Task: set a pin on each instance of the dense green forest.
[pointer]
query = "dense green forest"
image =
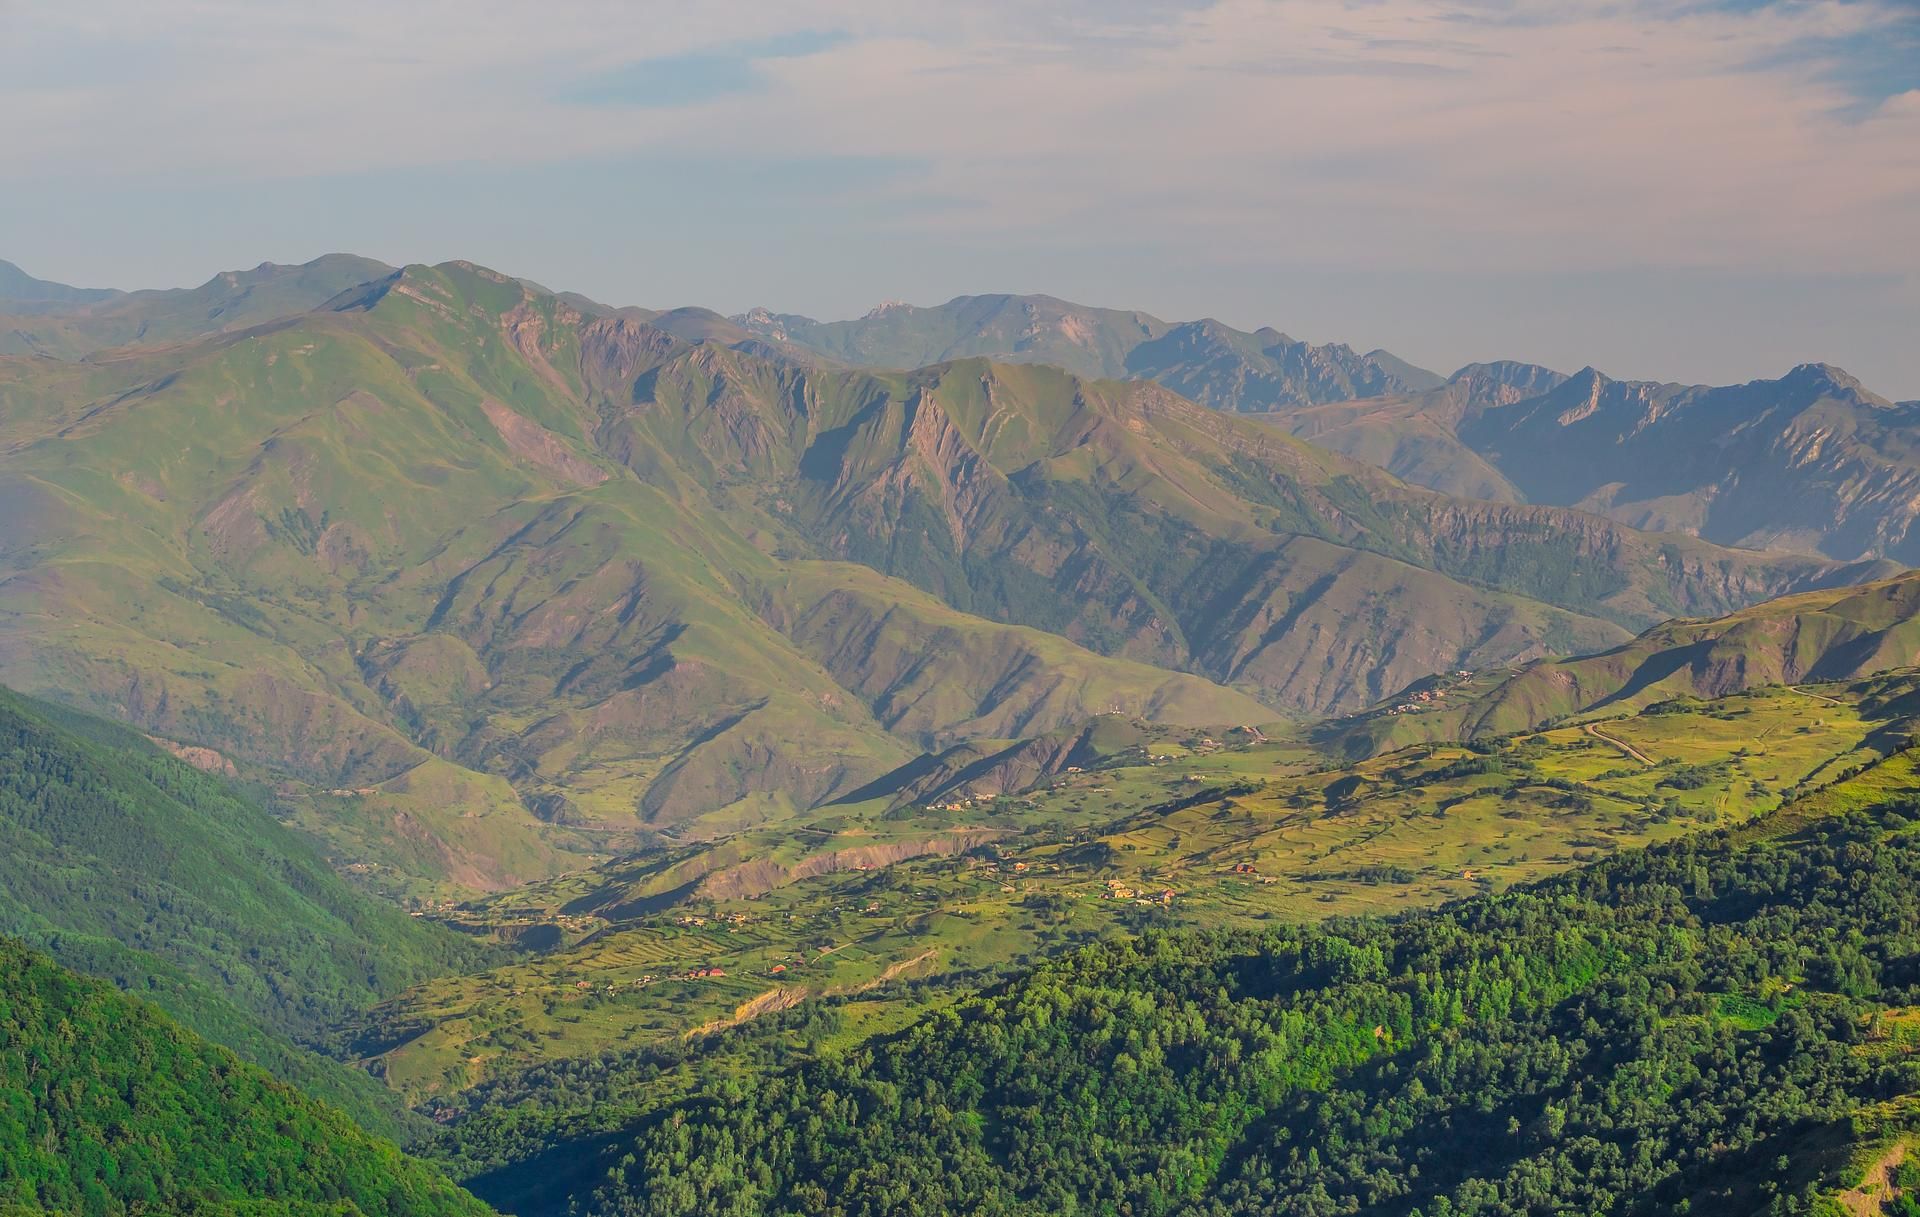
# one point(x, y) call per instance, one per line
point(108, 1107)
point(1721, 1025)
point(130, 865)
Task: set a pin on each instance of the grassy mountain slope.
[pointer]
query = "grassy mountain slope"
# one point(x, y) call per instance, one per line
point(988, 768)
point(1818, 636)
point(1143, 525)
point(933, 675)
point(1721, 1023)
point(107, 1106)
point(1204, 360)
point(70, 323)
point(400, 562)
point(133, 866)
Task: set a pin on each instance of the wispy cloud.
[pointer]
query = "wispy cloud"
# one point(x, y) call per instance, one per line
point(1518, 134)
point(694, 77)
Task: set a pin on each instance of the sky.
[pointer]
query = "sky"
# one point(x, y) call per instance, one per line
point(1693, 191)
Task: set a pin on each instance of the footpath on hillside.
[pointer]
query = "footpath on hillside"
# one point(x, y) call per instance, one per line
point(1622, 745)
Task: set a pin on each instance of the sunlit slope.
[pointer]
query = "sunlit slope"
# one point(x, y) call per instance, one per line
point(1817, 636)
point(1706, 1025)
point(1144, 525)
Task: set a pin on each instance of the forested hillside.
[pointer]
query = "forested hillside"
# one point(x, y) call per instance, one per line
point(1723, 1024)
point(107, 1107)
point(131, 865)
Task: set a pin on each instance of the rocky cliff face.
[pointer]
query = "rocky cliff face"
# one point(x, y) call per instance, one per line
point(1811, 462)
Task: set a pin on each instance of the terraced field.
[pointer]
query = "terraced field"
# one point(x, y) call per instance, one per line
point(898, 910)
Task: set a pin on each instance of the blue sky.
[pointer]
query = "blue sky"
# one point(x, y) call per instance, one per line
point(1681, 190)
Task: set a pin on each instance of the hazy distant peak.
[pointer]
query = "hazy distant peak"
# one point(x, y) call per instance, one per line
point(19, 287)
point(341, 266)
point(1506, 371)
point(1824, 376)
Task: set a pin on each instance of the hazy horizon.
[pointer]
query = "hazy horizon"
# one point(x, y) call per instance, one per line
point(1703, 192)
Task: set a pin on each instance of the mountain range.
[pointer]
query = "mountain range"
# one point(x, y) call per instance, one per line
point(38, 317)
point(1812, 461)
point(498, 576)
point(1206, 361)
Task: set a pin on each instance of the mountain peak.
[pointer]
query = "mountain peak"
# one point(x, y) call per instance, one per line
point(1824, 375)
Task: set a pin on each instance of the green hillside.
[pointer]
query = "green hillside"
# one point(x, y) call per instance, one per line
point(1721, 1024)
point(128, 864)
point(1830, 635)
point(108, 1107)
point(495, 582)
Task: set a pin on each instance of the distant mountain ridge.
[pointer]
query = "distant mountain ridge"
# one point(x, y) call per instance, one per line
point(1811, 461)
point(42, 318)
point(1205, 360)
point(21, 292)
